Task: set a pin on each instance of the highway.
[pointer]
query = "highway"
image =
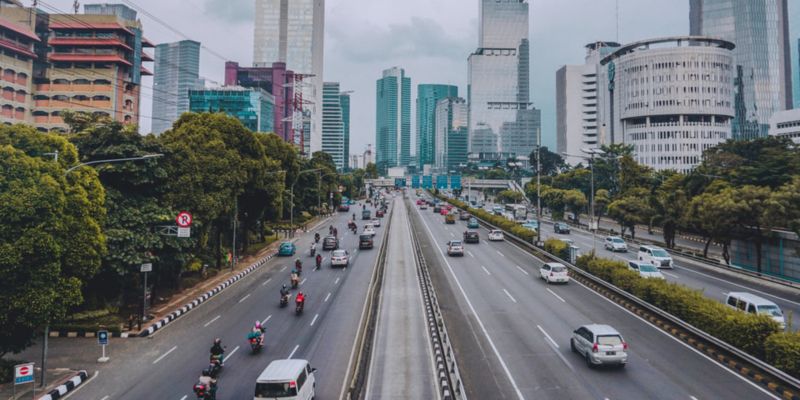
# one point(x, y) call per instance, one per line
point(511, 331)
point(167, 365)
point(402, 359)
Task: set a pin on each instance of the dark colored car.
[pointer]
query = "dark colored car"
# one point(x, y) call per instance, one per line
point(437, 209)
point(330, 243)
point(380, 213)
point(471, 237)
point(344, 208)
point(366, 214)
point(463, 216)
point(365, 242)
point(561, 227)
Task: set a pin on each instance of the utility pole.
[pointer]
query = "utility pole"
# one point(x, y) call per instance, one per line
point(235, 220)
point(538, 191)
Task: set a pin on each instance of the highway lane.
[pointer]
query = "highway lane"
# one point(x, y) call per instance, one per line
point(169, 363)
point(715, 285)
point(402, 359)
point(528, 325)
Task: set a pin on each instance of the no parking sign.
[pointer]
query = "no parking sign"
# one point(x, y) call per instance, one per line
point(23, 373)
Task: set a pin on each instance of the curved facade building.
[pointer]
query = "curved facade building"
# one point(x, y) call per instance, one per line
point(671, 98)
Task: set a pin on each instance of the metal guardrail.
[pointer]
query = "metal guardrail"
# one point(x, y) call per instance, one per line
point(759, 371)
point(449, 378)
point(366, 330)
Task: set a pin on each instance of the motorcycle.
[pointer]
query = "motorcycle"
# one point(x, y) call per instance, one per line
point(316, 238)
point(204, 392)
point(299, 308)
point(256, 343)
point(313, 251)
point(295, 282)
point(299, 267)
point(285, 300)
point(215, 366)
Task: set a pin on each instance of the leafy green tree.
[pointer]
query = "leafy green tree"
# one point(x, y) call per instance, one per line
point(601, 201)
point(290, 162)
point(576, 202)
point(371, 171)
point(607, 167)
point(713, 214)
point(551, 163)
point(577, 178)
point(769, 161)
point(669, 205)
point(630, 210)
point(553, 199)
point(496, 173)
point(42, 214)
point(510, 197)
point(758, 215)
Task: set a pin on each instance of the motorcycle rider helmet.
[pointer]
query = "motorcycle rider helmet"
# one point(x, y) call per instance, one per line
point(217, 341)
point(258, 325)
point(284, 286)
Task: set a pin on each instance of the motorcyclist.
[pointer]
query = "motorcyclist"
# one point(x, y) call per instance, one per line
point(316, 237)
point(257, 332)
point(313, 249)
point(298, 266)
point(319, 260)
point(218, 351)
point(301, 301)
point(330, 229)
point(335, 232)
point(354, 216)
point(295, 278)
point(209, 384)
point(284, 290)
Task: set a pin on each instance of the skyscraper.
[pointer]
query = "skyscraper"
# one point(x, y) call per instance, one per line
point(177, 70)
point(427, 97)
point(344, 100)
point(253, 107)
point(501, 116)
point(393, 119)
point(277, 81)
point(451, 134)
point(762, 72)
point(332, 123)
point(292, 31)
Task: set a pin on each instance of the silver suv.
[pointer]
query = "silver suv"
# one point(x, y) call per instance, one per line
point(599, 345)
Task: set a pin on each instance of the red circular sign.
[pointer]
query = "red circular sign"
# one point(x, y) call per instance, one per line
point(24, 371)
point(184, 219)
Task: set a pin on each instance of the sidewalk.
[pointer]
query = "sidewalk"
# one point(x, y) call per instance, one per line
point(55, 377)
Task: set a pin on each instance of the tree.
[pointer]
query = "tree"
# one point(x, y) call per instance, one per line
point(630, 211)
point(43, 213)
point(510, 197)
point(551, 163)
point(769, 161)
point(554, 200)
point(713, 214)
point(759, 213)
point(278, 149)
point(577, 178)
point(576, 202)
point(607, 167)
point(371, 171)
point(601, 201)
point(669, 204)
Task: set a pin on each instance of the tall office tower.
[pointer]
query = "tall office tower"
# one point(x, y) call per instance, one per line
point(177, 71)
point(762, 72)
point(344, 100)
point(427, 97)
point(577, 103)
point(393, 119)
point(17, 24)
point(332, 123)
point(501, 116)
point(275, 80)
point(451, 134)
point(253, 107)
point(292, 31)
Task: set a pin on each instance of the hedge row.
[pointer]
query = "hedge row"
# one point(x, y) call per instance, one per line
point(757, 335)
point(557, 247)
point(496, 220)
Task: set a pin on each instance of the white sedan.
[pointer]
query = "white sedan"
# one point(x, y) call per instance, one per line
point(376, 223)
point(340, 258)
point(369, 230)
point(496, 235)
point(554, 272)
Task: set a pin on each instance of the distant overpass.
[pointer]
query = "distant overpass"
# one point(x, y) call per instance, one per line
point(466, 182)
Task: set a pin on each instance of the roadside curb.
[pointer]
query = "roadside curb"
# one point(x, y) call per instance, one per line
point(66, 387)
point(203, 298)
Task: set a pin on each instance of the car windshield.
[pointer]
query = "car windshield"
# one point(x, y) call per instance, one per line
point(647, 268)
point(770, 310)
point(609, 340)
point(660, 253)
point(496, 232)
point(286, 245)
point(272, 390)
point(617, 240)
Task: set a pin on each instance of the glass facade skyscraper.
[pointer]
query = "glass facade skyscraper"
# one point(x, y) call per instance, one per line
point(501, 116)
point(254, 108)
point(451, 134)
point(760, 31)
point(344, 101)
point(333, 124)
point(393, 119)
point(292, 31)
point(427, 97)
point(177, 71)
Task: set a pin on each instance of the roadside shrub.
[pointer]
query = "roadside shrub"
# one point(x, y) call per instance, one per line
point(783, 351)
point(557, 247)
point(523, 233)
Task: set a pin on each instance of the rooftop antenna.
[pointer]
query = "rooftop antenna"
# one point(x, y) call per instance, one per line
point(617, 17)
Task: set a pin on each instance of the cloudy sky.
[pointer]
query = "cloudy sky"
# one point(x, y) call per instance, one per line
point(431, 39)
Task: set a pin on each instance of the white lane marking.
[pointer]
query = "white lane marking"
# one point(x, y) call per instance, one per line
point(228, 357)
point(452, 234)
point(283, 269)
point(245, 298)
point(266, 282)
point(327, 297)
point(212, 321)
point(184, 397)
point(336, 281)
point(303, 281)
point(670, 275)
point(501, 254)
point(548, 336)
point(292, 353)
point(557, 296)
point(106, 397)
point(165, 354)
point(477, 318)
point(470, 254)
point(522, 270)
point(486, 270)
point(510, 296)
point(266, 319)
point(693, 398)
point(314, 320)
point(741, 286)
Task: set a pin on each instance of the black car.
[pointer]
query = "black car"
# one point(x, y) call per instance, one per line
point(561, 227)
point(330, 243)
point(437, 209)
point(344, 208)
point(471, 237)
point(365, 242)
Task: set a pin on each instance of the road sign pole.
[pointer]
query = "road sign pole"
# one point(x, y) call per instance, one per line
point(102, 339)
point(144, 298)
point(44, 355)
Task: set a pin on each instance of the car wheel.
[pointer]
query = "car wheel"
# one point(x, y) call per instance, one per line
point(572, 345)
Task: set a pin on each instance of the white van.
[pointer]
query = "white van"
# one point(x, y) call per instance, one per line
point(286, 379)
point(655, 256)
point(753, 304)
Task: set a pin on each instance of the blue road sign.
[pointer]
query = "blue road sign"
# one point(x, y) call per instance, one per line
point(102, 337)
point(415, 181)
point(400, 182)
point(427, 182)
point(441, 181)
point(455, 181)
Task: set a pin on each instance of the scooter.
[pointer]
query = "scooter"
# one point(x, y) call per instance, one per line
point(285, 300)
point(299, 308)
point(256, 344)
point(295, 282)
point(215, 366)
point(204, 392)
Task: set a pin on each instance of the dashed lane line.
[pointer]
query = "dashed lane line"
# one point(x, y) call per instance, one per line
point(245, 297)
point(548, 336)
point(165, 354)
point(314, 320)
point(510, 296)
point(293, 351)
point(522, 270)
point(266, 319)
point(486, 270)
point(327, 297)
point(266, 282)
point(557, 296)
point(212, 321)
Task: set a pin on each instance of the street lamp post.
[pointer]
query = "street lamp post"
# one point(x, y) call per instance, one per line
point(538, 191)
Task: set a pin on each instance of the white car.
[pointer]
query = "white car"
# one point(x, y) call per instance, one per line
point(554, 272)
point(615, 243)
point(369, 230)
point(496, 235)
point(340, 258)
point(645, 270)
point(655, 256)
point(376, 223)
point(455, 248)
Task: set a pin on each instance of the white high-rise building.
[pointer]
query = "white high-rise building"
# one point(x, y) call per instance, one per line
point(293, 31)
point(576, 103)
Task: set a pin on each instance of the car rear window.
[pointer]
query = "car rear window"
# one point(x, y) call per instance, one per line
point(660, 253)
point(365, 237)
point(609, 340)
point(455, 243)
point(559, 268)
point(647, 268)
point(273, 390)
